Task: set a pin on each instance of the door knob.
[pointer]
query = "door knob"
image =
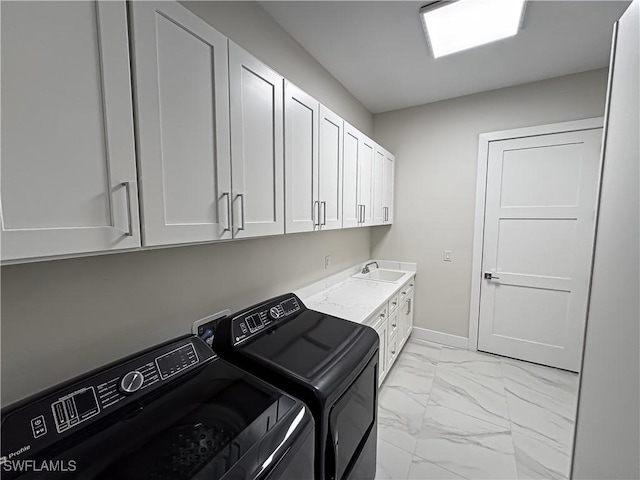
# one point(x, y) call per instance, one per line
point(490, 276)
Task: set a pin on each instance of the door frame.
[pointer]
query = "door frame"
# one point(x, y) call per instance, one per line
point(481, 190)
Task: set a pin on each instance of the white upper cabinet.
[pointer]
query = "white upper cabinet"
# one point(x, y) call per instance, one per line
point(388, 178)
point(182, 98)
point(383, 177)
point(257, 160)
point(68, 156)
point(302, 207)
point(330, 175)
point(378, 194)
point(365, 180)
point(350, 207)
point(357, 178)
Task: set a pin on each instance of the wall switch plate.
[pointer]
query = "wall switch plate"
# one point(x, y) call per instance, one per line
point(327, 261)
point(447, 256)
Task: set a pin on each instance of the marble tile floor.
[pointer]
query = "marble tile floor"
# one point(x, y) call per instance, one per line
point(447, 413)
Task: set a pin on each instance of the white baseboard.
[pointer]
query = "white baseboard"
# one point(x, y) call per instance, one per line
point(440, 337)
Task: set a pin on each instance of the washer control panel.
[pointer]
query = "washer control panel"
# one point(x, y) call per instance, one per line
point(37, 422)
point(253, 321)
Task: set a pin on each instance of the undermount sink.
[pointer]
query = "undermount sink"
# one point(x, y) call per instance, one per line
point(383, 275)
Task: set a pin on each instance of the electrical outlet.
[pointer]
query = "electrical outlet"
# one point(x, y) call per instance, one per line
point(447, 256)
point(327, 261)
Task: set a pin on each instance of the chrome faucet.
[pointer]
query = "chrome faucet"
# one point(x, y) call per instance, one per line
point(366, 270)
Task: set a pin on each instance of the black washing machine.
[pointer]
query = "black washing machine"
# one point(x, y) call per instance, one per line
point(174, 412)
point(328, 362)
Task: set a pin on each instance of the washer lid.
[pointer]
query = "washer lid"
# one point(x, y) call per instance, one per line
point(213, 421)
point(307, 345)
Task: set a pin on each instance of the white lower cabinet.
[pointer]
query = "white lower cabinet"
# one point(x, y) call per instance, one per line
point(381, 328)
point(406, 318)
point(394, 322)
point(68, 156)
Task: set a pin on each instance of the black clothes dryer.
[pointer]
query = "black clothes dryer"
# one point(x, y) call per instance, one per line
point(173, 412)
point(328, 362)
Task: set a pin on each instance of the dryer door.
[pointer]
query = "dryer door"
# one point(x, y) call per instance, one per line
point(352, 420)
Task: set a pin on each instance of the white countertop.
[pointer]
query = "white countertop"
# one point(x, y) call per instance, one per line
point(351, 298)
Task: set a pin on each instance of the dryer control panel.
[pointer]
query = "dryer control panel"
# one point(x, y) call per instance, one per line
point(255, 320)
point(38, 422)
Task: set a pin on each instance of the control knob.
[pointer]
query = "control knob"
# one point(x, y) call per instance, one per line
point(275, 313)
point(131, 382)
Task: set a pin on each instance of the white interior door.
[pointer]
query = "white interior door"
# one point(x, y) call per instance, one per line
point(257, 144)
point(330, 188)
point(182, 95)
point(538, 241)
point(301, 160)
point(68, 157)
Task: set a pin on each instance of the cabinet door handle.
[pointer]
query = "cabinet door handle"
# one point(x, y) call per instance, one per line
point(360, 215)
point(228, 197)
point(408, 306)
point(241, 197)
point(316, 213)
point(364, 213)
point(127, 191)
point(382, 315)
point(394, 303)
point(324, 212)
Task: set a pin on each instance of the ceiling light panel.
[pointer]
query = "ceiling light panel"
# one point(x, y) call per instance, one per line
point(453, 26)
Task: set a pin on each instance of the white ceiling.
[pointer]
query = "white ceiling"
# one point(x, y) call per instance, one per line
point(378, 51)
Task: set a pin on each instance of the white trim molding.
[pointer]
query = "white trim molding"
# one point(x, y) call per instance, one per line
point(439, 337)
point(481, 184)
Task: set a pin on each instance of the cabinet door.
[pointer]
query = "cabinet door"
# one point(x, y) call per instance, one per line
point(382, 353)
point(257, 144)
point(388, 173)
point(393, 347)
point(394, 323)
point(350, 206)
point(406, 315)
point(182, 98)
point(301, 160)
point(330, 187)
point(365, 180)
point(68, 157)
point(378, 184)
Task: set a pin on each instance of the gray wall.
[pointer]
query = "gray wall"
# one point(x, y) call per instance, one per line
point(607, 443)
point(62, 318)
point(436, 148)
point(247, 24)
point(84, 312)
